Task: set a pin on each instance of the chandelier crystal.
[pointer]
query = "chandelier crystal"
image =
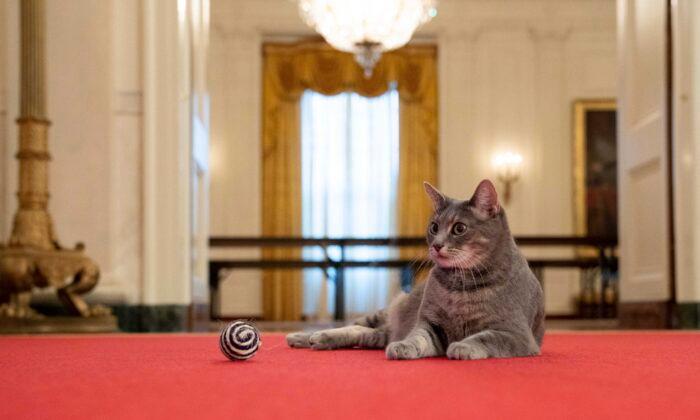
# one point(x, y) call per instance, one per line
point(367, 28)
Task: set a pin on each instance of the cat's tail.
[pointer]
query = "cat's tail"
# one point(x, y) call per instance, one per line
point(375, 320)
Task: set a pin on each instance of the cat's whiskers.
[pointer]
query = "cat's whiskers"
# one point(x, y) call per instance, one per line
point(472, 262)
point(480, 272)
point(464, 261)
point(462, 275)
point(424, 261)
point(455, 254)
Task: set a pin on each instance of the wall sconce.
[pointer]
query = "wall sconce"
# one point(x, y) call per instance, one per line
point(507, 166)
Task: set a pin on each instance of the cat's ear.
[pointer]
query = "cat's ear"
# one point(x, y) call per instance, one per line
point(485, 199)
point(435, 196)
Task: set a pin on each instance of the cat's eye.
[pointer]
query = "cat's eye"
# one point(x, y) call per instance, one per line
point(459, 229)
point(434, 228)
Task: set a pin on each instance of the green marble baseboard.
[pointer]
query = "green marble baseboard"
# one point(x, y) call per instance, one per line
point(152, 318)
point(135, 318)
point(689, 315)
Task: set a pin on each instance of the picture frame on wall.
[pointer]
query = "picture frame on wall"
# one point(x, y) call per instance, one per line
point(595, 195)
point(595, 167)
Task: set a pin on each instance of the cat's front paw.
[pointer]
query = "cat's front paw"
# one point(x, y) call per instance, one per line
point(323, 341)
point(298, 340)
point(466, 351)
point(401, 350)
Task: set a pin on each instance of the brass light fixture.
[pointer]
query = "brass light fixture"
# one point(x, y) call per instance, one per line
point(367, 28)
point(33, 258)
point(508, 166)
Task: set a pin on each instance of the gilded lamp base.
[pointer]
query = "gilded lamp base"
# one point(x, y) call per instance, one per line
point(33, 258)
point(70, 272)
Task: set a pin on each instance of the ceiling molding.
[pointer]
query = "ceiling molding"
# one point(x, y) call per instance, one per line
point(280, 17)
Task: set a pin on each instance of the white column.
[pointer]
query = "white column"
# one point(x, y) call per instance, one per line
point(686, 102)
point(124, 278)
point(166, 155)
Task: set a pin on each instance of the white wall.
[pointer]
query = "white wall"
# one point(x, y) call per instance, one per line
point(508, 73)
point(686, 102)
point(4, 31)
point(118, 93)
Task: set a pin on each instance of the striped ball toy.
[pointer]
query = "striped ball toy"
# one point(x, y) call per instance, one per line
point(239, 341)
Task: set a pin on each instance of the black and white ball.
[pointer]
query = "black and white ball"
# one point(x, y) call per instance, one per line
point(239, 340)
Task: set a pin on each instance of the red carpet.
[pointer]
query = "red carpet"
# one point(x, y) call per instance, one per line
point(621, 375)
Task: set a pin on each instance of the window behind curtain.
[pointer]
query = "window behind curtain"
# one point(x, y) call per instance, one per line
point(350, 157)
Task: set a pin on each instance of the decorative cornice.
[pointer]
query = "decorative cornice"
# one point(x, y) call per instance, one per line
point(275, 17)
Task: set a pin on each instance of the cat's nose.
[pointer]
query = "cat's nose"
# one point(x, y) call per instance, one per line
point(437, 247)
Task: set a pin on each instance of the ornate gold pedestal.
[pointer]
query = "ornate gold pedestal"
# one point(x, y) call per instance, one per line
point(33, 257)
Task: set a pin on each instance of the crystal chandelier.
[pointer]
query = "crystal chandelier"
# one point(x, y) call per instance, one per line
point(367, 28)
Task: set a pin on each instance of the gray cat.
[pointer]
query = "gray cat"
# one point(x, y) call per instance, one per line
point(480, 300)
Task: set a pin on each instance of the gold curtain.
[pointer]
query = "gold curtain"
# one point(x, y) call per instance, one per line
point(289, 70)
